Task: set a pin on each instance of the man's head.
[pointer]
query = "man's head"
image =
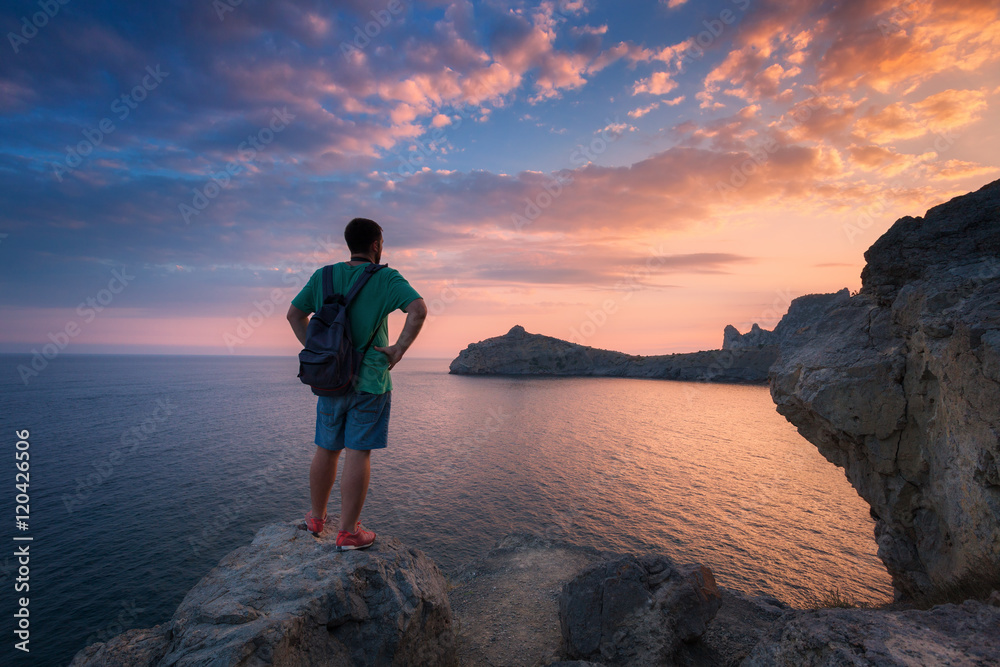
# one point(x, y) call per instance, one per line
point(364, 237)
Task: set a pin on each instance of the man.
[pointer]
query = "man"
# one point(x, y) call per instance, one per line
point(358, 422)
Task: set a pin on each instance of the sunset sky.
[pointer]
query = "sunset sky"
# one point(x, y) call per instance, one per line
point(633, 175)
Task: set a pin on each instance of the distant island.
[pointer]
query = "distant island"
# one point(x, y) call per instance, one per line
point(743, 359)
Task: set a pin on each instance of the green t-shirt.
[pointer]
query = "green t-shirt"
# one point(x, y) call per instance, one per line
point(385, 292)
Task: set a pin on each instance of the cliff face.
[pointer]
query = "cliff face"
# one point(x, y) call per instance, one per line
point(900, 386)
point(290, 599)
point(521, 353)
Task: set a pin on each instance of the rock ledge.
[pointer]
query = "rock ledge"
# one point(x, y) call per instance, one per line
point(290, 599)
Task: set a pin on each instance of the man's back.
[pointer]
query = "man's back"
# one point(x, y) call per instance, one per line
point(385, 292)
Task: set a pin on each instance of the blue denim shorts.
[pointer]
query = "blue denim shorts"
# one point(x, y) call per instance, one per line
point(355, 421)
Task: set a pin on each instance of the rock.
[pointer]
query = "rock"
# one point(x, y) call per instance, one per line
point(145, 646)
point(741, 622)
point(521, 353)
point(732, 339)
point(967, 634)
point(636, 610)
point(798, 323)
point(507, 601)
point(507, 606)
point(289, 598)
point(900, 386)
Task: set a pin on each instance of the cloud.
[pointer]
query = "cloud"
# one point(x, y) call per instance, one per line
point(440, 120)
point(615, 130)
point(627, 50)
point(876, 44)
point(888, 46)
point(820, 118)
point(957, 169)
point(885, 161)
point(642, 111)
point(942, 112)
point(659, 83)
point(951, 109)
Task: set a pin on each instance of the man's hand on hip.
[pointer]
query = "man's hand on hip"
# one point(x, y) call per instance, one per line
point(416, 312)
point(393, 352)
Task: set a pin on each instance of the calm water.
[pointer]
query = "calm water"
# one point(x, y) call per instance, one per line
point(125, 522)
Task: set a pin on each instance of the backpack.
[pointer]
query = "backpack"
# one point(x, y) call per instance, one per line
point(329, 363)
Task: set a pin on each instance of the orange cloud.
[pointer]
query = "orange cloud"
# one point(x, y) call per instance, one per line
point(888, 46)
point(942, 112)
point(956, 169)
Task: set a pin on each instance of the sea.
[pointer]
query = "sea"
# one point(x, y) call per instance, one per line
point(144, 471)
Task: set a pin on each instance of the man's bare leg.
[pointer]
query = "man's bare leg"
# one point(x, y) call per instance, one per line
point(354, 487)
point(322, 472)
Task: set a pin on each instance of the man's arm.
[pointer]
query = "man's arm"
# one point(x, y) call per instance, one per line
point(416, 312)
point(299, 321)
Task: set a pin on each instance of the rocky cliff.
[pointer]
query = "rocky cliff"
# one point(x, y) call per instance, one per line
point(521, 353)
point(900, 386)
point(800, 320)
point(290, 598)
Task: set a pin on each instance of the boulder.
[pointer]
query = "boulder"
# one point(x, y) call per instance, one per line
point(900, 386)
point(290, 598)
point(957, 635)
point(636, 610)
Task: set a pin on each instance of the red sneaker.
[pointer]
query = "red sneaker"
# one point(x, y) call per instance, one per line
point(361, 539)
point(314, 525)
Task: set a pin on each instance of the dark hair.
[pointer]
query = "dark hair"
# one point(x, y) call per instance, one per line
point(361, 233)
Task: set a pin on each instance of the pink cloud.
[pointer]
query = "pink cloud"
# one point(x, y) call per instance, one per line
point(658, 83)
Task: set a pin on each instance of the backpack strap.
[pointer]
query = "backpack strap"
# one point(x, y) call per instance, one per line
point(327, 282)
point(361, 281)
point(355, 288)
